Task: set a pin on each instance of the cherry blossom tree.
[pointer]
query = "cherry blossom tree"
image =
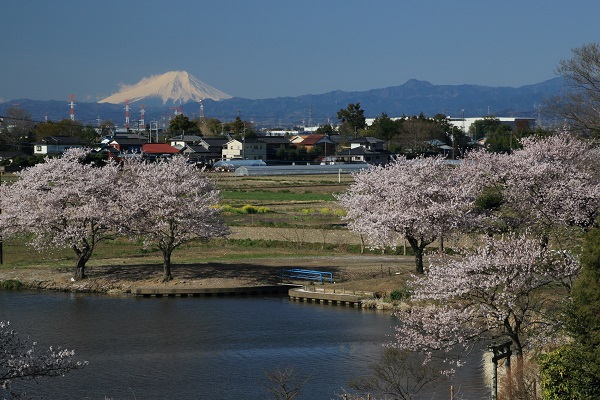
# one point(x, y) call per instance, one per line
point(20, 360)
point(490, 294)
point(524, 203)
point(61, 203)
point(418, 199)
point(552, 182)
point(561, 185)
point(169, 203)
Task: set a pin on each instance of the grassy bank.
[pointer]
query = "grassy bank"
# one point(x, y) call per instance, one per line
point(298, 225)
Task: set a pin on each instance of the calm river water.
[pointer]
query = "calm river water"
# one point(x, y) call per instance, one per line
point(204, 348)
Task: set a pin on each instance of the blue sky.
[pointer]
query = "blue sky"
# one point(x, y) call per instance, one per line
point(272, 48)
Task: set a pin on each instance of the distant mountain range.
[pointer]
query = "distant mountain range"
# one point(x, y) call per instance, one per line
point(162, 93)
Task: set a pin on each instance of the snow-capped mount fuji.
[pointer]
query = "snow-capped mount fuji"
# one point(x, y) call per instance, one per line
point(174, 87)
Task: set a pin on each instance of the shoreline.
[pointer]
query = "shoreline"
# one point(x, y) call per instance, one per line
point(216, 280)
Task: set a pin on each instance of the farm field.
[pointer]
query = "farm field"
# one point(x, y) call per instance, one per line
point(288, 221)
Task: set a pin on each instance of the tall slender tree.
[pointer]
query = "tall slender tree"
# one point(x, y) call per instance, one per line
point(352, 119)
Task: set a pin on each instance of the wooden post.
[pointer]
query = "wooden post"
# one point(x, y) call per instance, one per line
point(500, 352)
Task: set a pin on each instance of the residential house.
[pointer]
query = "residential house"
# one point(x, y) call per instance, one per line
point(7, 157)
point(365, 150)
point(247, 149)
point(274, 144)
point(155, 151)
point(13, 160)
point(182, 140)
point(127, 146)
point(214, 144)
point(322, 143)
point(54, 145)
point(368, 142)
point(206, 151)
point(297, 139)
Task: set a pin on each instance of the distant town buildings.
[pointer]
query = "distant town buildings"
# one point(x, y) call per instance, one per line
point(515, 124)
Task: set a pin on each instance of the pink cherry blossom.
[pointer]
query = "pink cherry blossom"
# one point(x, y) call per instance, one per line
point(20, 360)
point(491, 293)
point(62, 203)
point(167, 204)
point(419, 200)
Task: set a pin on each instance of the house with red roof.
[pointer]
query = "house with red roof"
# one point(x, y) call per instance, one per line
point(155, 151)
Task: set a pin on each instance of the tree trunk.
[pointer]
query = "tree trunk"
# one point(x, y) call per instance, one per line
point(79, 272)
point(419, 261)
point(418, 249)
point(167, 266)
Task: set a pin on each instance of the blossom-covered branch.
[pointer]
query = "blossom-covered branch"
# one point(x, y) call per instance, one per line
point(22, 360)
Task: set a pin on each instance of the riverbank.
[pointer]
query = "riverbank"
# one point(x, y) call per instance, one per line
point(374, 273)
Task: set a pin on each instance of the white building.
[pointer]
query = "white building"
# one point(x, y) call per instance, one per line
point(465, 123)
point(515, 124)
point(249, 149)
point(53, 145)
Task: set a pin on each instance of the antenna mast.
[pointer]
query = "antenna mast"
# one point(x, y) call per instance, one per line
point(142, 118)
point(127, 114)
point(72, 104)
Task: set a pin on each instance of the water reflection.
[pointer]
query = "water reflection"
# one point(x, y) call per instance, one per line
point(192, 348)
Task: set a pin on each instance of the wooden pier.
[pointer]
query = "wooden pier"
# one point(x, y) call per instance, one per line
point(301, 294)
point(206, 292)
point(295, 293)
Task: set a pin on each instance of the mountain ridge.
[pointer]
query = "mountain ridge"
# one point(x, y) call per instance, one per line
point(411, 98)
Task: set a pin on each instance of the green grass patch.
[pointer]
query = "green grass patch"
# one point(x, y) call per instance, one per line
point(274, 196)
point(11, 284)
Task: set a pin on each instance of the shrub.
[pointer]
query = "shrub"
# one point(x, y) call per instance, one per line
point(246, 209)
point(340, 213)
point(249, 209)
point(397, 295)
point(11, 284)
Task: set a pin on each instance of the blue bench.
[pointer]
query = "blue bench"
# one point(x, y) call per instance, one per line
point(296, 273)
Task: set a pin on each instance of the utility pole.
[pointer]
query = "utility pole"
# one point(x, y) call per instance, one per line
point(1, 250)
point(244, 142)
